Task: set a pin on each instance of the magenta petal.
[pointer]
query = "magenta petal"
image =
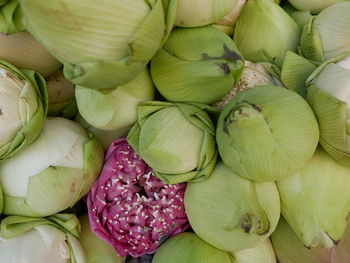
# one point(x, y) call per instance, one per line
point(132, 209)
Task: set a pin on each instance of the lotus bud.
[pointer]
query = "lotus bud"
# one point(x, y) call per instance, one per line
point(23, 100)
point(262, 253)
point(176, 140)
point(125, 37)
point(267, 133)
point(327, 35)
point(261, 38)
point(116, 108)
point(61, 96)
point(54, 172)
point(196, 13)
point(197, 65)
point(41, 240)
point(23, 51)
point(105, 137)
point(255, 74)
point(328, 95)
point(232, 213)
point(130, 208)
point(11, 17)
point(289, 249)
point(315, 201)
point(97, 250)
point(295, 71)
point(189, 248)
point(314, 6)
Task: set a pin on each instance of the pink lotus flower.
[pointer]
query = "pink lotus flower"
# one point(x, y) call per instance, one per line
point(132, 209)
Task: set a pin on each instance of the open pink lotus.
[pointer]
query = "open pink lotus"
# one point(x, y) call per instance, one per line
point(132, 209)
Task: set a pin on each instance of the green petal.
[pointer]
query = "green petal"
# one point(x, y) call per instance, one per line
point(189, 248)
point(232, 213)
point(295, 71)
point(315, 202)
point(311, 43)
point(11, 17)
point(54, 189)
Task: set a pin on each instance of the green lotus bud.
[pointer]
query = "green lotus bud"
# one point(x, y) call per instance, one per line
point(97, 250)
point(116, 108)
point(230, 212)
point(197, 65)
point(23, 51)
point(189, 248)
point(316, 201)
point(327, 35)
point(289, 249)
point(104, 45)
point(61, 96)
point(267, 133)
point(264, 32)
point(262, 253)
point(314, 6)
point(255, 74)
point(176, 140)
point(105, 137)
point(54, 172)
point(295, 71)
point(328, 89)
point(23, 100)
point(11, 17)
point(41, 240)
point(196, 13)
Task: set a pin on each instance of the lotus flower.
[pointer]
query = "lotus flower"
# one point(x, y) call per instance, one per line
point(132, 209)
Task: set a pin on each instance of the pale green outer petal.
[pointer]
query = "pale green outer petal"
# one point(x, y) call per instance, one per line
point(189, 248)
point(97, 250)
point(115, 109)
point(333, 24)
point(267, 133)
point(230, 212)
point(316, 201)
point(331, 110)
point(102, 45)
point(78, 254)
point(11, 18)
point(327, 34)
point(164, 144)
point(264, 32)
point(195, 13)
point(262, 253)
point(314, 5)
point(295, 71)
point(159, 139)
